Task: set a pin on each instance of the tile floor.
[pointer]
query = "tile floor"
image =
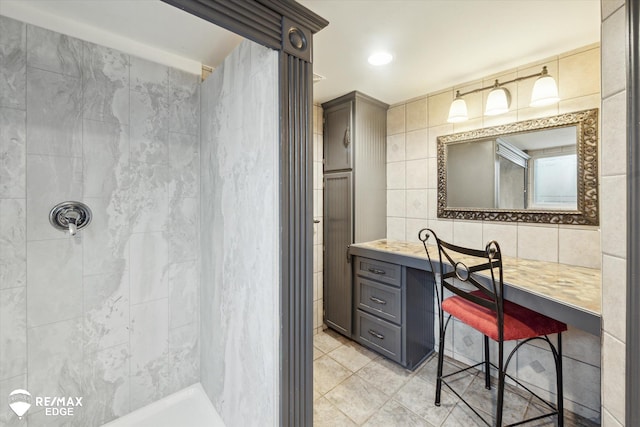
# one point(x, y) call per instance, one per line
point(353, 386)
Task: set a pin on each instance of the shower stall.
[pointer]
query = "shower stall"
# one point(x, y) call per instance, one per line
point(176, 279)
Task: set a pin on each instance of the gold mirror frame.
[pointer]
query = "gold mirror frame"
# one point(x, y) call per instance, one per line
point(587, 152)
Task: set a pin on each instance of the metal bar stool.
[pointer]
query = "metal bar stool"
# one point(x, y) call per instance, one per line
point(478, 302)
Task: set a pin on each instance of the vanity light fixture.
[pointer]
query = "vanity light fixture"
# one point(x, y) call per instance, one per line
point(545, 92)
point(380, 58)
point(498, 100)
point(458, 110)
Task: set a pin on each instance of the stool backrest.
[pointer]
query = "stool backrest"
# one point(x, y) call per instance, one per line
point(465, 270)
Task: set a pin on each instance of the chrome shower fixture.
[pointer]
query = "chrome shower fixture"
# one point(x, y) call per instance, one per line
point(70, 216)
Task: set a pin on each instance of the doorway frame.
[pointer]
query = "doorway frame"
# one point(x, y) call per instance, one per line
point(287, 27)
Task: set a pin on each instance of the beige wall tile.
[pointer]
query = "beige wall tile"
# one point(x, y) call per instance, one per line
point(610, 6)
point(438, 108)
point(505, 234)
point(502, 119)
point(530, 113)
point(614, 296)
point(413, 227)
point(432, 174)
point(396, 120)
point(417, 173)
point(443, 228)
point(417, 204)
point(467, 343)
point(608, 420)
point(614, 135)
point(396, 228)
point(613, 376)
point(613, 214)
point(315, 118)
point(538, 242)
point(417, 144)
point(580, 103)
point(434, 133)
point(432, 203)
point(579, 74)
point(396, 175)
point(582, 346)
point(396, 203)
point(472, 124)
point(579, 247)
point(468, 233)
point(613, 53)
point(416, 114)
point(581, 383)
point(396, 147)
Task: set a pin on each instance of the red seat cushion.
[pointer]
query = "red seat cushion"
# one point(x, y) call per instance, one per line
point(519, 322)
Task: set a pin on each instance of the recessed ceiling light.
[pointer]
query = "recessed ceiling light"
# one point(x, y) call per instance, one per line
point(380, 58)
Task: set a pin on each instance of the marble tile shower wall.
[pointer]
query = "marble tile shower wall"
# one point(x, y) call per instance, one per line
point(614, 208)
point(317, 216)
point(413, 127)
point(240, 237)
point(111, 314)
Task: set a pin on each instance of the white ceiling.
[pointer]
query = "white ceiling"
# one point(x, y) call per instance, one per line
point(439, 43)
point(435, 43)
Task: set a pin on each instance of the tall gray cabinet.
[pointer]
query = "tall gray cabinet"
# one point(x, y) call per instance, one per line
point(355, 201)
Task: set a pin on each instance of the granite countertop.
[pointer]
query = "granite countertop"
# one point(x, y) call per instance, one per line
point(576, 286)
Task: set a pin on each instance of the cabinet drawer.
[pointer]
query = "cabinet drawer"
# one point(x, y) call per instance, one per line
point(379, 299)
point(379, 270)
point(379, 335)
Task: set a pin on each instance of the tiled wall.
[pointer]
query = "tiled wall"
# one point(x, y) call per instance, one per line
point(240, 310)
point(317, 216)
point(614, 211)
point(111, 314)
point(413, 127)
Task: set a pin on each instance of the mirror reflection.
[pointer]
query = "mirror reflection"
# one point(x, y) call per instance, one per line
point(522, 171)
point(529, 170)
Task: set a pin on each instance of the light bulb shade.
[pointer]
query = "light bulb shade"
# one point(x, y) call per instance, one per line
point(458, 111)
point(545, 92)
point(497, 102)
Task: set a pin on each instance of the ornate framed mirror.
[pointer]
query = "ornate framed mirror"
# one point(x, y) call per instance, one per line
point(542, 170)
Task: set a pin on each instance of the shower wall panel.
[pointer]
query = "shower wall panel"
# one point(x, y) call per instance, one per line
point(240, 237)
point(110, 314)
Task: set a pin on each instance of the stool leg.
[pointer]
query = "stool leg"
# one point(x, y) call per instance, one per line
point(501, 378)
point(440, 363)
point(487, 367)
point(559, 383)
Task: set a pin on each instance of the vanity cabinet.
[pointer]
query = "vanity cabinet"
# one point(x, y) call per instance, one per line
point(393, 310)
point(355, 199)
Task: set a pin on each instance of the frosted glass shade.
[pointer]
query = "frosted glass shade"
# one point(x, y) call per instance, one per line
point(545, 92)
point(497, 102)
point(458, 111)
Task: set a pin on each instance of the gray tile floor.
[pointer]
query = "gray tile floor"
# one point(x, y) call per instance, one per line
point(353, 386)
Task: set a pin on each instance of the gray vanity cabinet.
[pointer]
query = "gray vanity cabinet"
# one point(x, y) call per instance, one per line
point(355, 201)
point(338, 136)
point(393, 307)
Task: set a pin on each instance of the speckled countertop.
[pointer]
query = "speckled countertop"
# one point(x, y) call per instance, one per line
point(575, 286)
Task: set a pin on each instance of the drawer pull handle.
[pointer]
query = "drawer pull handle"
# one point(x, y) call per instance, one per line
point(376, 334)
point(378, 300)
point(376, 271)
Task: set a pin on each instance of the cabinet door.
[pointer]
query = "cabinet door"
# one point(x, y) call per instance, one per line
point(338, 234)
point(338, 137)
